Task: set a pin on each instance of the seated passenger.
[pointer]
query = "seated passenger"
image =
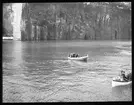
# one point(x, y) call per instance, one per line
point(71, 55)
point(129, 76)
point(122, 76)
point(77, 55)
point(74, 55)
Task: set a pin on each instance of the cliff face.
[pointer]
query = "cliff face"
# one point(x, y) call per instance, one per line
point(7, 20)
point(17, 11)
point(72, 21)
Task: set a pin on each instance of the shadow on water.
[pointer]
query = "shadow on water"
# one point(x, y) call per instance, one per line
point(78, 63)
point(122, 91)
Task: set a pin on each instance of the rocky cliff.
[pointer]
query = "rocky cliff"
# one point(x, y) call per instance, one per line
point(72, 21)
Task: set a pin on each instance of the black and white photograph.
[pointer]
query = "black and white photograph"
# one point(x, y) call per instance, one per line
point(66, 52)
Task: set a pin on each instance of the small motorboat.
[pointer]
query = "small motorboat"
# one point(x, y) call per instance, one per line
point(7, 38)
point(82, 58)
point(117, 82)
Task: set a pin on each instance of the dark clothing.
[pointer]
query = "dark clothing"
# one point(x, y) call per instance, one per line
point(129, 76)
point(75, 55)
point(71, 55)
point(122, 75)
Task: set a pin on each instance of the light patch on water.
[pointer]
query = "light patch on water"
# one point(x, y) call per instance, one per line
point(125, 52)
point(67, 83)
point(65, 78)
point(68, 72)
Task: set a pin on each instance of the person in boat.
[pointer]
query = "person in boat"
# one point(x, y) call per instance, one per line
point(77, 55)
point(129, 76)
point(70, 55)
point(123, 76)
point(73, 55)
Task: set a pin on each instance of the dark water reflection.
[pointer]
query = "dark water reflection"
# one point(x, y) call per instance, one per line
point(122, 92)
point(42, 70)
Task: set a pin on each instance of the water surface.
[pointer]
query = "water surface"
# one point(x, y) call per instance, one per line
point(41, 72)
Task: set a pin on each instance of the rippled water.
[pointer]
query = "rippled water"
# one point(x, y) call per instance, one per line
point(41, 72)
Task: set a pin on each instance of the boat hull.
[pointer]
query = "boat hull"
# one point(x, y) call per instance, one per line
point(84, 58)
point(7, 38)
point(120, 83)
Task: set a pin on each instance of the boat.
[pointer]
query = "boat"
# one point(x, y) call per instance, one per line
point(82, 58)
point(117, 82)
point(7, 38)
